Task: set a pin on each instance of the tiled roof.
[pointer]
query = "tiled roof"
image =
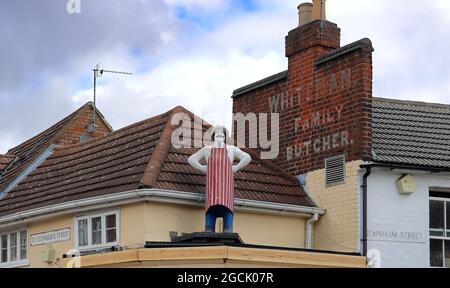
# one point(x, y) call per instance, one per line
point(138, 156)
point(4, 161)
point(411, 133)
point(259, 181)
point(25, 153)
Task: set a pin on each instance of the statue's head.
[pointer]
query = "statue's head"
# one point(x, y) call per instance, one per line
point(219, 134)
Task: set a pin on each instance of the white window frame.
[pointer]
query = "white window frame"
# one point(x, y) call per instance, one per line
point(89, 217)
point(18, 262)
point(446, 230)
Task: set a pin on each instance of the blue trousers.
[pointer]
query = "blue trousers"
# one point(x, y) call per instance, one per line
point(219, 211)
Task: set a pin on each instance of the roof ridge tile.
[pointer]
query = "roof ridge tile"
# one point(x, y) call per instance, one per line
point(160, 152)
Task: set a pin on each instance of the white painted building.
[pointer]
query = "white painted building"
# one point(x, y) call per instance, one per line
point(409, 228)
point(399, 225)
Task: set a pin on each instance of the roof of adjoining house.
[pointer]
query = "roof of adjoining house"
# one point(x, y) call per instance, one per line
point(24, 154)
point(4, 161)
point(411, 133)
point(135, 157)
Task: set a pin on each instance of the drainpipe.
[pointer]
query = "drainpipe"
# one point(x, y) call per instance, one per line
point(364, 228)
point(309, 228)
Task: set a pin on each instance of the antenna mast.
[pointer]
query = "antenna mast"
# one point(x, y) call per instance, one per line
point(98, 72)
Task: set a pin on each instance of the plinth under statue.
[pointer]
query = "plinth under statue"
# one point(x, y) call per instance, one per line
point(219, 172)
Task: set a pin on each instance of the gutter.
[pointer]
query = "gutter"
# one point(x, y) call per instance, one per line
point(156, 195)
point(407, 167)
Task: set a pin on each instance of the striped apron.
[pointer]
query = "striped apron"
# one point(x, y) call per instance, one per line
point(219, 180)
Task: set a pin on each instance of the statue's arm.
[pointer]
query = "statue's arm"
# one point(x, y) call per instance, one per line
point(195, 159)
point(244, 158)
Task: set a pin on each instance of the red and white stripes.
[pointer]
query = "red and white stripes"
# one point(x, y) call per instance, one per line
point(219, 180)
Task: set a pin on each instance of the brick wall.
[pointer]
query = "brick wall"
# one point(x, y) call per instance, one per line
point(324, 101)
point(257, 102)
point(78, 126)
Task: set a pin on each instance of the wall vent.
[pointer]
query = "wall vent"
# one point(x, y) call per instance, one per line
point(335, 171)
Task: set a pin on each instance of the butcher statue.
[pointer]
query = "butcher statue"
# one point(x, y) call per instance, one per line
point(219, 170)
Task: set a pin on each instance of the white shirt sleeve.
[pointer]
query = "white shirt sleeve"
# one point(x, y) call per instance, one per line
point(195, 159)
point(244, 158)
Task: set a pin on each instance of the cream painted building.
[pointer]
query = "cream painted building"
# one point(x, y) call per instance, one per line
point(153, 221)
point(338, 230)
point(123, 198)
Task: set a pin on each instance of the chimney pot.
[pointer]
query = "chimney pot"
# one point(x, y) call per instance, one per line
point(319, 10)
point(305, 13)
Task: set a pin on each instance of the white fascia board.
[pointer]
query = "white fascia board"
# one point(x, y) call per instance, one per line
point(154, 195)
point(406, 170)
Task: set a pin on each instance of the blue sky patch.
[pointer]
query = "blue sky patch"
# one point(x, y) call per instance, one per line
point(246, 5)
point(210, 19)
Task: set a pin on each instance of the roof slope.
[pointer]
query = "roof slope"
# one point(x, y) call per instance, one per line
point(260, 180)
point(138, 156)
point(24, 154)
point(411, 133)
point(4, 161)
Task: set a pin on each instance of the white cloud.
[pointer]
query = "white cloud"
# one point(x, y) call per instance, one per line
point(200, 69)
point(8, 140)
point(254, 33)
point(203, 85)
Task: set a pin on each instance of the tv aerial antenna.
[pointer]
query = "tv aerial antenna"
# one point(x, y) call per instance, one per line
point(98, 72)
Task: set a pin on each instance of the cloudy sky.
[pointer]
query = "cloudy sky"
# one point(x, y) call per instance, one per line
point(193, 53)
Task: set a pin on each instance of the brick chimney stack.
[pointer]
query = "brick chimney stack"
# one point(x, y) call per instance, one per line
point(324, 105)
point(323, 99)
point(309, 41)
point(313, 31)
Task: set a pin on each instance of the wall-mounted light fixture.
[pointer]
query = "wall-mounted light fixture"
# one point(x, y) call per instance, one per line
point(406, 185)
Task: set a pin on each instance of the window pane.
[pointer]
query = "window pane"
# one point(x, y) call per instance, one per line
point(13, 247)
point(436, 233)
point(83, 232)
point(96, 231)
point(23, 245)
point(4, 248)
point(447, 254)
point(448, 219)
point(437, 217)
point(436, 257)
point(110, 221)
point(96, 237)
point(111, 235)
